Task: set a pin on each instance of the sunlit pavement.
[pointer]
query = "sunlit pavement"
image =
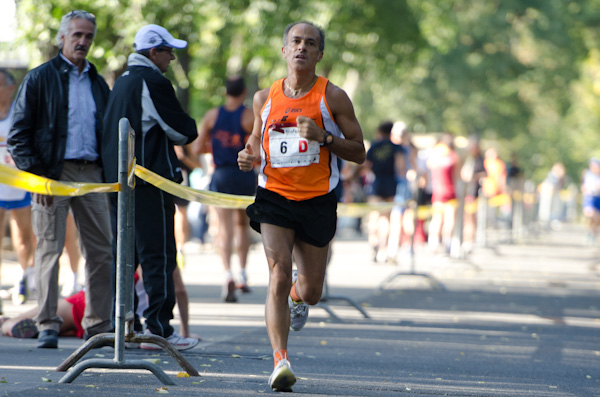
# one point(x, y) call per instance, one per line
point(510, 320)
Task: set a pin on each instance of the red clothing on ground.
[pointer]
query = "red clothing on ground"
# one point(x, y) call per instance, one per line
point(78, 308)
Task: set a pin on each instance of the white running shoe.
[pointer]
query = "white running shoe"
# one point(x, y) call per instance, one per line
point(177, 341)
point(133, 345)
point(282, 378)
point(181, 343)
point(298, 311)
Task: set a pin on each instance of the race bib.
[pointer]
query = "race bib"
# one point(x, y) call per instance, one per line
point(288, 149)
point(5, 157)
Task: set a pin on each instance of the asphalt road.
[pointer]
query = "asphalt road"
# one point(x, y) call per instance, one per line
point(511, 320)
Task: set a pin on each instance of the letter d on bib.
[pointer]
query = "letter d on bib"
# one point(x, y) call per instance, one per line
point(302, 146)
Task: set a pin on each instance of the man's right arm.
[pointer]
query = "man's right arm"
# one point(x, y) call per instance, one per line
point(20, 142)
point(248, 156)
point(161, 105)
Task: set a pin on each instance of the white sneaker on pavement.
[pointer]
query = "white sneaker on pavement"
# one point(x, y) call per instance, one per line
point(298, 310)
point(177, 341)
point(181, 343)
point(133, 345)
point(282, 378)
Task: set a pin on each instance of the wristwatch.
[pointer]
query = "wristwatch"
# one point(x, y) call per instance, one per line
point(328, 139)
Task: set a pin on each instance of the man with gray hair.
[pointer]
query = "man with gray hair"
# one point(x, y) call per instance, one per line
point(302, 124)
point(56, 134)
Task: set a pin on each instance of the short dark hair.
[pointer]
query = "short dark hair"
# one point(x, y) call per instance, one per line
point(8, 77)
point(319, 29)
point(145, 52)
point(235, 86)
point(386, 127)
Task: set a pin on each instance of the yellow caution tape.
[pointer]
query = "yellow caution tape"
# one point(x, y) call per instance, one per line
point(529, 198)
point(205, 197)
point(38, 184)
point(499, 200)
point(517, 195)
point(131, 173)
point(352, 210)
point(424, 212)
point(566, 195)
point(357, 210)
point(224, 200)
point(471, 208)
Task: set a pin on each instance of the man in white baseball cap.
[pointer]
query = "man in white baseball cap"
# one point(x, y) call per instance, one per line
point(147, 99)
point(151, 36)
point(156, 44)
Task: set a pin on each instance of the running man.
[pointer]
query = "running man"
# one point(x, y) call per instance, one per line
point(302, 123)
point(224, 132)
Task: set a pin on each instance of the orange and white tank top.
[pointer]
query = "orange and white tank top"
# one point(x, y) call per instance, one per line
point(291, 166)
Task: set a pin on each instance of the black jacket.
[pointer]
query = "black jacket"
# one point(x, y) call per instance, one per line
point(147, 99)
point(38, 138)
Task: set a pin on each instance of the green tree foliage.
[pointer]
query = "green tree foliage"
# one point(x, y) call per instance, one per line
point(523, 73)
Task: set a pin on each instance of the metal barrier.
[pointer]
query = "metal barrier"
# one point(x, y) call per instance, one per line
point(412, 272)
point(326, 297)
point(481, 221)
point(124, 311)
point(412, 204)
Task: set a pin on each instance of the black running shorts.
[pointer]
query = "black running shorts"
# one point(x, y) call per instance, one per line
point(314, 220)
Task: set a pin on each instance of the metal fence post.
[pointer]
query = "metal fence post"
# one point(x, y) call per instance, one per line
point(482, 211)
point(124, 315)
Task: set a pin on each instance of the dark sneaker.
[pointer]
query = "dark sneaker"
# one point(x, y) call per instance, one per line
point(244, 288)
point(228, 294)
point(48, 339)
point(25, 328)
point(282, 378)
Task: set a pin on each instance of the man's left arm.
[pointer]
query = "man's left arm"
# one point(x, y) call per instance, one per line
point(161, 103)
point(352, 147)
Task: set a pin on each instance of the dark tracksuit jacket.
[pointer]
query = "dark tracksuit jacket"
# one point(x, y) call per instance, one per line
point(147, 99)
